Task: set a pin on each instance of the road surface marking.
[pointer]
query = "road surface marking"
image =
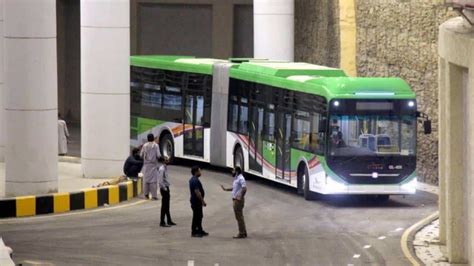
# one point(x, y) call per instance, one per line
point(406, 234)
point(398, 229)
point(356, 256)
point(382, 237)
point(367, 246)
point(190, 262)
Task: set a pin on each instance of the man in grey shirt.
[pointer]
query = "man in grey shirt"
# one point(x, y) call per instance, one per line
point(164, 184)
point(239, 189)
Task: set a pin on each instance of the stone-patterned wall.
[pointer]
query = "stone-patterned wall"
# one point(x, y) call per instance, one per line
point(399, 38)
point(317, 32)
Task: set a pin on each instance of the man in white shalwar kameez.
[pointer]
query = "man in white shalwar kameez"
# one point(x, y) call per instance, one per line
point(63, 135)
point(150, 154)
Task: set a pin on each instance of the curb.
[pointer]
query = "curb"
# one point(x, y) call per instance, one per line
point(69, 159)
point(408, 236)
point(88, 198)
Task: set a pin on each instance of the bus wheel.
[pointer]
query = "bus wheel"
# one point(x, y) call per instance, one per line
point(305, 178)
point(300, 181)
point(239, 158)
point(167, 147)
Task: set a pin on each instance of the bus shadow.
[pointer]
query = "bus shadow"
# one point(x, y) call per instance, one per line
point(339, 201)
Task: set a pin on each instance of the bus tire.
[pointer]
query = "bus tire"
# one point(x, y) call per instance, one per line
point(300, 181)
point(307, 193)
point(239, 158)
point(167, 146)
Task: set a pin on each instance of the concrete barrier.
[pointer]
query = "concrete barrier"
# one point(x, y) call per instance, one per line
point(69, 201)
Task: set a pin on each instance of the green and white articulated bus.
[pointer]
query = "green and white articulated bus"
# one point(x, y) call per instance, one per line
point(302, 125)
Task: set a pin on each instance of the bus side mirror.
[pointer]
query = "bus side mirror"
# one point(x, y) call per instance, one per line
point(426, 122)
point(427, 127)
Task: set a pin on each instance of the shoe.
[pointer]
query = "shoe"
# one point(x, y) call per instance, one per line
point(171, 223)
point(154, 198)
point(164, 225)
point(196, 235)
point(240, 236)
point(204, 233)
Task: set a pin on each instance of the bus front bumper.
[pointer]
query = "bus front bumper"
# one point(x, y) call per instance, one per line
point(333, 187)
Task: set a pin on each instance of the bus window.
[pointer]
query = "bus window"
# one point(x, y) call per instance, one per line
point(269, 126)
point(301, 126)
point(244, 116)
point(233, 114)
point(172, 101)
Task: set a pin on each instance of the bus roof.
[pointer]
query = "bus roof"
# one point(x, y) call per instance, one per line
point(303, 77)
point(177, 63)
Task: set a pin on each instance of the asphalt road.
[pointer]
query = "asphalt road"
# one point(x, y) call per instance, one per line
point(283, 229)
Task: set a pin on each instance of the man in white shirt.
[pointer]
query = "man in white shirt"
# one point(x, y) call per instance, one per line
point(239, 189)
point(164, 184)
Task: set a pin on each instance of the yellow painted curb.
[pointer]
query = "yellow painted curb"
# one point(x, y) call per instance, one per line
point(90, 198)
point(113, 195)
point(61, 202)
point(25, 206)
point(406, 234)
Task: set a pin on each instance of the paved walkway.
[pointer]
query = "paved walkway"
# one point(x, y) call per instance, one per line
point(70, 177)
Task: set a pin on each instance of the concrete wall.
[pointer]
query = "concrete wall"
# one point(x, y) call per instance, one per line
point(204, 28)
point(456, 105)
point(399, 38)
point(317, 32)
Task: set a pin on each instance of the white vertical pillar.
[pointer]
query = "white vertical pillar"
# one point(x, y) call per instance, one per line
point(105, 86)
point(274, 29)
point(2, 95)
point(31, 97)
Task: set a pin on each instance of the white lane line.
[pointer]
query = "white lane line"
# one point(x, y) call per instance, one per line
point(398, 229)
point(190, 262)
point(367, 246)
point(382, 237)
point(356, 256)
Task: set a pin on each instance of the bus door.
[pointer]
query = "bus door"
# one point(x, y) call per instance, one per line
point(193, 124)
point(283, 147)
point(255, 139)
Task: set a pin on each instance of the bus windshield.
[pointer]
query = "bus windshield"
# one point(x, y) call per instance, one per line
point(372, 135)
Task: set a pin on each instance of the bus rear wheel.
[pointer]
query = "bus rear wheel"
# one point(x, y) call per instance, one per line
point(167, 147)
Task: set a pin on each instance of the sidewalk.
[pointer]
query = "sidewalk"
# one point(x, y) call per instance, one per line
point(69, 177)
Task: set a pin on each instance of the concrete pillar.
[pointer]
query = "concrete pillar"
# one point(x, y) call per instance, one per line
point(456, 49)
point(2, 95)
point(274, 29)
point(469, 200)
point(442, 148)
point(105, 86)
point(31, 97)
point(454, 157)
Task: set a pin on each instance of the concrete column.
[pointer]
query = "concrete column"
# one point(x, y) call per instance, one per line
point(105, 86)
point(454, 157)
point(274, 29)
point(31, 97)
point(442, 148)
point(470, 165)
point(2, 95)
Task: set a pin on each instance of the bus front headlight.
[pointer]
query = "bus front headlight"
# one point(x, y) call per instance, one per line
point(410, 186)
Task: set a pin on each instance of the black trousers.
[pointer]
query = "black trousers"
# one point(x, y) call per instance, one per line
point(165, 205)
point(196, 227)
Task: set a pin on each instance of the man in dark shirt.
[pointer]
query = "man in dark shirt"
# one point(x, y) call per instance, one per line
point(197, 202)
point(133, 165)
